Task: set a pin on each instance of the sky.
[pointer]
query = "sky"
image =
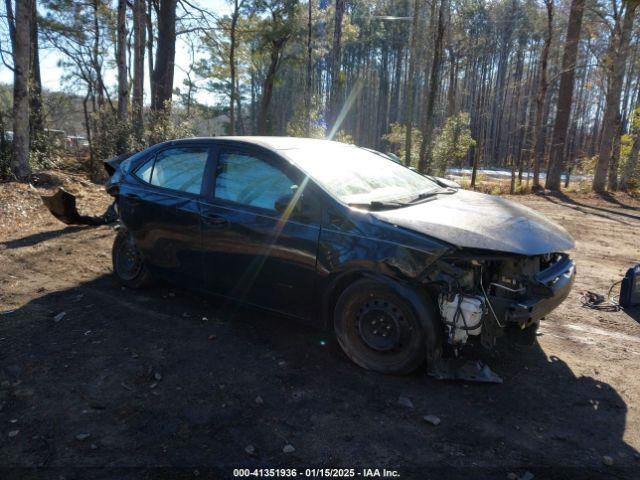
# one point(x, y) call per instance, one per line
point(52, 73)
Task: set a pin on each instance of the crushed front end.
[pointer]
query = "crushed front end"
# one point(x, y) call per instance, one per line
point(484, 296)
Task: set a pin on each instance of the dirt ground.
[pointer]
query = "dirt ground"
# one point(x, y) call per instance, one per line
point(165, 384)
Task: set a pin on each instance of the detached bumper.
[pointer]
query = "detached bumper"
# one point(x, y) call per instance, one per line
point(549, 289)
point(62, 205)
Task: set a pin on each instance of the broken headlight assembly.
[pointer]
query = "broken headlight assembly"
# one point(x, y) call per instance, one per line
point(488, 297)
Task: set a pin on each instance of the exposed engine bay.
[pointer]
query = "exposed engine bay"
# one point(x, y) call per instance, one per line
point(486, 297)
point(489, 296)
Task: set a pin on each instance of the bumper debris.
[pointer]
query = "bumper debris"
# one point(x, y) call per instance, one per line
point(463, 369)
point(62, 205)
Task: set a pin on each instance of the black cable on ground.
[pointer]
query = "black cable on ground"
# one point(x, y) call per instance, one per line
point(595, 301)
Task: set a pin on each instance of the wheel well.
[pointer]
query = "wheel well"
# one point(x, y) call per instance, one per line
point(336, 287)
point(420, 298)
point(339, 285)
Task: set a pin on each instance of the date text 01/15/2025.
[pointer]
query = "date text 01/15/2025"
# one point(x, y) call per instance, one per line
point(316, 472)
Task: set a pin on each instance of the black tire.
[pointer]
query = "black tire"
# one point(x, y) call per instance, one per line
point(128, 264)
point(379, 329)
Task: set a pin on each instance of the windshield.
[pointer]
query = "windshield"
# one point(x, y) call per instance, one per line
point(358, 176)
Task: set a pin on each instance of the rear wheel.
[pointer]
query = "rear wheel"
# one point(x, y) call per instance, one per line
point(128, 264)
point(378, 329)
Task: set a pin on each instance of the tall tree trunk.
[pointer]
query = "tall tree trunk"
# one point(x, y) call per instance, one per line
point(165, 56)
point(123, 80)
point(476, 162)
point(254, 95)
point(382, 100)
point(150, 40)
point(336, 60)
point(11, 21)
point(267, 87)
point(394, 115)
point(87, 126)
point(618, 52)
point(139, 39)
point(96, 54)
point(538, 145)
point(411, 83)
point(565, 96)
point(514, 126)
point(453, 83)
point(36, 120)
point(503, 77)
point(240, 121)
point(427, 53)
point(427, 132)
point(232, 67)
point(397, 57)
point(307, 92)
point(594, 132)
point(625, 40)
point(21, 62)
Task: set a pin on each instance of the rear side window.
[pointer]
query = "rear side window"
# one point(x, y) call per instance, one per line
point(178, 168)
point(144, 172)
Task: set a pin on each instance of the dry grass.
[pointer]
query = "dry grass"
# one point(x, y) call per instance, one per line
point(494, 186)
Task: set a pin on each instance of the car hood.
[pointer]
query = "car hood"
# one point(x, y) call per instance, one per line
point(475, 220)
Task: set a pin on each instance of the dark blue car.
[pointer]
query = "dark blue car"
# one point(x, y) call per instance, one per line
point(400, 265)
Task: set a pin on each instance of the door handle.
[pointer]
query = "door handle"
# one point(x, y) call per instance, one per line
point(215, 220)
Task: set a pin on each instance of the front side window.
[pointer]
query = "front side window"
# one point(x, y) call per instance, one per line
point(178, 168)
point(245, 179)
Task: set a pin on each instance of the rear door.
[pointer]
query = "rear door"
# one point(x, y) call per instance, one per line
point(161, 208)
point(253, 252)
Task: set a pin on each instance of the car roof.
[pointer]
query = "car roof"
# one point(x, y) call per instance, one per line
point(274, 143)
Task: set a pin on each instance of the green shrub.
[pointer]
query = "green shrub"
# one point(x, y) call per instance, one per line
point(397, 141)
point(452, 143)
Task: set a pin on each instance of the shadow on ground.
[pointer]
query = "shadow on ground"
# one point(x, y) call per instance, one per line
point(40, 237)
point(611, 198)
point(560, 198)
point(633, 312)
point(161, 384)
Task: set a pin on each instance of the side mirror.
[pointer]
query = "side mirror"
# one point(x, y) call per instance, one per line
point(301, 210)
point(283, 202)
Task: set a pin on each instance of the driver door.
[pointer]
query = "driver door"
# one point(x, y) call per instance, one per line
point(251, 252)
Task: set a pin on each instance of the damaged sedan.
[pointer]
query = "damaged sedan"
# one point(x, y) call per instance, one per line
point(406, 269)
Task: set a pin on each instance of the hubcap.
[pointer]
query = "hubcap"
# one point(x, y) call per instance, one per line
point(379, 324)
point(128, 262)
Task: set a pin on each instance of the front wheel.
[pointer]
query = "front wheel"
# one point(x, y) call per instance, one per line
point(378, 329)
point(128, 264)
